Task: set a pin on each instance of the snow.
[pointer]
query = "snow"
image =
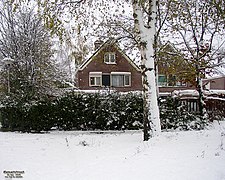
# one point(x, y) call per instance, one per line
point(216, 98)
point(215, 92)
point(78, 155)
point(194, 93)
point(188, 92)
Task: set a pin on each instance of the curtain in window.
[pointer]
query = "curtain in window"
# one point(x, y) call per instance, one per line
point(117, 80)
point(106, 58)
point(97, 81)
point(127, 80)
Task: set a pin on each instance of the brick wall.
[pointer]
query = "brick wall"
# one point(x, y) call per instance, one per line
point(218, 83)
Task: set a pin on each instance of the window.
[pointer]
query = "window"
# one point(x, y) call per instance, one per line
point(181, 83)
point(95, 78)
point(114, 79)
point(120, 79)
point(110, 58)
point(127, 80)
point(162, 81)
point(117, 80)
point(95, 81)
point(171, 80)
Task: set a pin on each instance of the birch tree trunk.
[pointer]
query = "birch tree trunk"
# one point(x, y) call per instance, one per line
point(145, 34)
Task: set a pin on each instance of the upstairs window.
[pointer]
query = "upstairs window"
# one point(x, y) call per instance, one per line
point(175, 82)
point(110, 58)
point(181, 83)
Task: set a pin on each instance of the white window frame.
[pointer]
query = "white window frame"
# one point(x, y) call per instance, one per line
point(109, 56)
point(124, 74)
point(95, 75)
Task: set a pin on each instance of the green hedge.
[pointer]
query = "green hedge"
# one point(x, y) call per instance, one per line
point(173, 115)
point(75, 111)
point(85, 111)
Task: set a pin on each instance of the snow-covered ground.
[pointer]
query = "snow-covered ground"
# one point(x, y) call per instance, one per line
point(190, 155)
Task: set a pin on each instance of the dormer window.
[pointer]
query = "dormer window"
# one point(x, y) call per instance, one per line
point(110, 58)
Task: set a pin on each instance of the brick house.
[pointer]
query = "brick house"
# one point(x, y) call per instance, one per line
point(109, 67)
point(214, 83)
point(173, 70)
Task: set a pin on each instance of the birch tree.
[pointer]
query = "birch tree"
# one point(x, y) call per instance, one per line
point(144, 13)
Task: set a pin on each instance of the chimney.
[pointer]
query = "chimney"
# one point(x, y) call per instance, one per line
point(98, 43)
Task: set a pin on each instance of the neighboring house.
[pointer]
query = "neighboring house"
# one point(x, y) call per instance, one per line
point(174, 73)
point(109, 68)
point(214, 83)
point(167, 87)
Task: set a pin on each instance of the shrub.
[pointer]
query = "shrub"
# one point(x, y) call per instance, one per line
point(87, 111)
point(75, 111)
point(174, 115)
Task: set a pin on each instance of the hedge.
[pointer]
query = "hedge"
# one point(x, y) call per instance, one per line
point(86, 111)
point(75, 111)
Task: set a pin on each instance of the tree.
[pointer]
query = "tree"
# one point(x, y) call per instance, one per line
point(71, 52)
point(171, 63)
point(24, 39)
point(144, 13)
point(196, 25)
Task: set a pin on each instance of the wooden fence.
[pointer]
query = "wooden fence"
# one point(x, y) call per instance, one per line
point(214, 106)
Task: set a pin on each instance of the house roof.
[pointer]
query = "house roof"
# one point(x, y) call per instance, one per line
point(112, 43)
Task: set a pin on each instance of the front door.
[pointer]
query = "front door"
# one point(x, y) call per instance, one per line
point(106, 80)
